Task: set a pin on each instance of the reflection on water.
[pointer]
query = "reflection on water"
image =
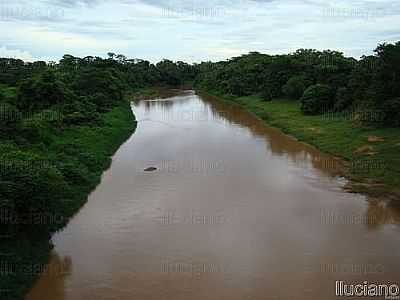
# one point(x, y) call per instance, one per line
point(276, 142)
point(235, 210)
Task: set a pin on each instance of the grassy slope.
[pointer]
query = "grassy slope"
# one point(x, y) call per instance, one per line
point(91, 147)
point(339, 137)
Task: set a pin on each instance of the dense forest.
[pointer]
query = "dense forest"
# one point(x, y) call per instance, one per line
point(324, 81)
point(61, 122)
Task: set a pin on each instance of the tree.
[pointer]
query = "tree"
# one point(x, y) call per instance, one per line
point(342, 99)
point(9, 117)
point(169, 72)
point(111, 55)
point(295, 87)
point(389, 69)
point(41, 92)
point(99, 84)
point(317, 99)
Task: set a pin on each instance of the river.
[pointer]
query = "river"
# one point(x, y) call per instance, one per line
point(235, 210)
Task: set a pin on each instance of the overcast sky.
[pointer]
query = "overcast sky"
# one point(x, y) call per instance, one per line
point(193, 31)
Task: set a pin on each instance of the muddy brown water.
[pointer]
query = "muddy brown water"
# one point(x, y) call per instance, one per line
point(235, 210)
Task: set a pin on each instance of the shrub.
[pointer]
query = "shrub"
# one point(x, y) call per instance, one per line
point(101, 82)
point(42, 92)
point(30, 183)
point(266, 94)
point(342, 99)
point(102, 101)
point(9, 116)
point(294, 88)
point(36, 128)
point(316, 99)
point(80, 112)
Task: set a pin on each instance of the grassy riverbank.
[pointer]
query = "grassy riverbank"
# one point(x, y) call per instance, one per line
point(371, 153)
point(72, 160)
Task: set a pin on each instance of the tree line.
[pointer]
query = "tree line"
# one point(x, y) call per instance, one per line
point(81, 87)
point(324, 81)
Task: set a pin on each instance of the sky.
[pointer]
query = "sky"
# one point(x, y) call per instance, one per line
point(193, 31)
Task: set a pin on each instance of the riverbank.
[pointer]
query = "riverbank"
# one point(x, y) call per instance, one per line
point(157, 92)
point(371, 154)
point(72, 160)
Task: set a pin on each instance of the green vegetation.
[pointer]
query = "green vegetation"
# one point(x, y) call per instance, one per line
point(295, 87)
point(347, 107)
point(327, 80)
point(317, 99)
point(60, 123)
point(46, 184)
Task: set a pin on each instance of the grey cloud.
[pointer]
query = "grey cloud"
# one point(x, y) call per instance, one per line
point(71, 3)
point(36, 13)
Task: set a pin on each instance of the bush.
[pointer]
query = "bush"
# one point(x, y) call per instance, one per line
point(316, 99)
point(80, 112)
point(30, 184)
point(294, 88)
point(342, 99)
point(36, 128)
point(266, 94)
point(102, 102)
point(9, 116)
point(100, 84)
point(392, 112)
point(42, 92)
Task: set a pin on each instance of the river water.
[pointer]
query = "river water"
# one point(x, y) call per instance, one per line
point(236, 210)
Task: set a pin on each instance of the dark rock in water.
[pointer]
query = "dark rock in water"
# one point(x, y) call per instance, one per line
point(151, 169)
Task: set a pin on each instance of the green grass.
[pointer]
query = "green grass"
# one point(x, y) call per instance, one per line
point(337, 136)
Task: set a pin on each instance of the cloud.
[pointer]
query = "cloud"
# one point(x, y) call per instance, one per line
point(26, 11)
point(198, 30)
point(72, 3)
point(16, 53)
